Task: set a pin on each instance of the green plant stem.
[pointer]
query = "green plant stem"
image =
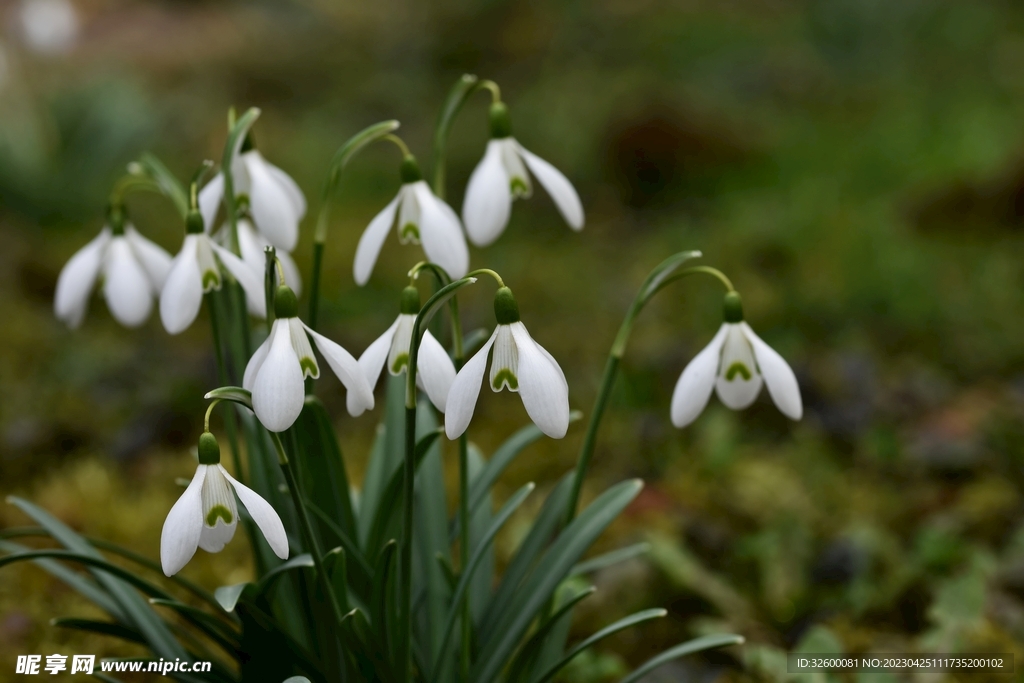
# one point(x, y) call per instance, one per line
point(467, 632)
point(314, 287)
point(234, 142)
point(307, 527)
point(223, 378)
point(457, 97)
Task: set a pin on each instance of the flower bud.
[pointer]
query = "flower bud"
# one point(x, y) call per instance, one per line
point(732, 308)
point(209, 449)
point(286, 305)
point(410, 170)
point(194, 224)
point(410, 301)
point(506, 310)
point(501, 124)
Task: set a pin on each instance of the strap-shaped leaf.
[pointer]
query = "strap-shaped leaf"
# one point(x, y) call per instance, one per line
point(553, 566)
point(687, 648)
point(382, 604)
point(228, 596)
point(387, 455)
point(362, 568)
point(105, 628)
point(303, 561)
point(611, 558)
point(214, 629)
point(527, 655)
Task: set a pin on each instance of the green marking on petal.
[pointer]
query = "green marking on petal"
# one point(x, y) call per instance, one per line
point(400, 363)
point(738, 368)
point(218, 511)
point(410, 232)
point(519, 187)
point(505, 376)
point(308, 366)
point(211, 280)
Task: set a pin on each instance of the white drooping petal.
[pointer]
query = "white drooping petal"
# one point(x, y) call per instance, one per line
point(376, 354)
point(488, 202)
point(77, 279)
point(252, 246)
point(126, 286)
point(180, 535)
point(290, 187)
point(255, 296)
point(210, 198)
point(697, 382)
point(558, 186)
point(398, 356)
point(154, 259)
point(252, 368)
point(441, 233)
point(435, 370)
point(182, 295)
point(220, 513)
point(542, 385)
point(518, 178)
point(738, 382)
point(263, 514)
point(278, 391)
point(372, 240)
point(504, 361)
point(273, 209)
point(360, 394)
point(300, 342)
point(778, 376)
point(465, 390)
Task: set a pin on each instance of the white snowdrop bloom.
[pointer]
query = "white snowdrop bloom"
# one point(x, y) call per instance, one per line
point(276, 371)
point(735, 364)
point(518, 363)
point(421, 218)
point(195, 271)
point(501, 176)
point(206, 515)
point(134, 271)
point(252, 245)
point(49, 26)
point(275, 200)
point(435, 371)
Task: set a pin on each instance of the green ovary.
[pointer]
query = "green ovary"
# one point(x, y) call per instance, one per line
point(218, 511)
point(410, 232)
point(401, 362)
point(505, 376)
point(738, 368)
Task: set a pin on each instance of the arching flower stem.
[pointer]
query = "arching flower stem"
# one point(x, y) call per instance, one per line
point(659, 278)
point(460, 93)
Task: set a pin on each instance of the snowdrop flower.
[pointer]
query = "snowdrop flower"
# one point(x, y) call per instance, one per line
point(501, 176)
point(276, 371)
point(518, 363)
point(206, 514)
point(422, 217)
point(434, 369)
point(275, 200)
point(736, 363)
point(133, 268)
point(252, 245)
point(195, 271)
point(49, 26)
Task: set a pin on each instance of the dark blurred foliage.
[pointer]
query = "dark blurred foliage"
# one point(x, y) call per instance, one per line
point(854, 165)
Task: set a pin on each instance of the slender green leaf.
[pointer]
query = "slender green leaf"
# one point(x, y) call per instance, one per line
point(382, 605)
point(336, 565)
point(351, 147)
point(547, 630)
point(105, 628)
point(662, 272)
point(687, 648)
point(362, 567)
point(169, 184)
point(303, 561)
point(457, 96)
point(386, 457)
point(228, 596)
point(612, 558)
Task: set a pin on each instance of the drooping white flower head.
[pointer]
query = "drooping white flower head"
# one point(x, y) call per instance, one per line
point(435, 371)
point(252, 245)
point(49, 26)
point(501, 176)
point(206, 515)
point(422, 218)
point(736, 364)
point(134, 272)
point(518, 363)
point(196, 270)
point(275, 200)
point(276, 371)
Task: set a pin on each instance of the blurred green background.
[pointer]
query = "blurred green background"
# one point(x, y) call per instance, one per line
point(855, 166)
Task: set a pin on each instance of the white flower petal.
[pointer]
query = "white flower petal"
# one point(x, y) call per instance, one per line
point(218, 501)
point(263, 514)
point(290, 187)
point(373, 358)
point(251, 245)
point(738, 382)
point(518, 178)
point(180, 535)
point(272, 208)
point(441, 233)
point(372, 240)
point(154, 259)
point(542, 385)
point(360, 394)
point(77, 279)
point(182, 295)
point(465, 390)
point(778, 376)
point(435, 369)
point(210, 198)
point(252, 368)
point(278, 391)
point(488, 202)
point(255, 296)
point(558, 186)
point(697, 382)
point(125, 285)
point(504, 361)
